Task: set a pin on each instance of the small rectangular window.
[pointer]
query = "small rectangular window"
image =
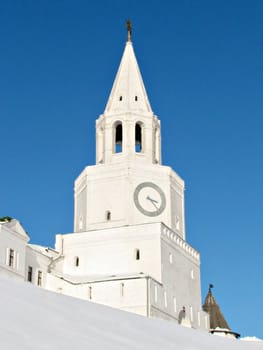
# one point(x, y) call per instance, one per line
point(165, 299)
point(174, 302)
point(76, 261)
point(39, 278)
point(137, 254)
point(29, 273)
point(122, 289)
point(177, 223)
point(191, 314)
point(11, 261)
point(155, 294)
point(90, 293)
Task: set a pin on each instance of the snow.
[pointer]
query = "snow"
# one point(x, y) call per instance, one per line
point(251, 339)
point(33, 318)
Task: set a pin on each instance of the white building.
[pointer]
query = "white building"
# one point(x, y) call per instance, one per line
point(13, 245)
point(128, 249)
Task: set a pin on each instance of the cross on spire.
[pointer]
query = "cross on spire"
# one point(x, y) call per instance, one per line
point(129, 29)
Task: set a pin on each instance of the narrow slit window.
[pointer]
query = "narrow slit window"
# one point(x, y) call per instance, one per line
point(11, 261)
point(136, 98)
point(76, 261)
point(137, 254)
point(120, 98)
point(29, 273)
point(108, 215)
point(155, 293)
point(191, 314)
point(90, 293)
point(118, 138)
point(39, 278)
point(138, 137)
point(165, 299)
point(122, 290)
point(174, 302)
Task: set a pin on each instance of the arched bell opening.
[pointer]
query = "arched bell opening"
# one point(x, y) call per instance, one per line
point(118, 137)
point(138, 137)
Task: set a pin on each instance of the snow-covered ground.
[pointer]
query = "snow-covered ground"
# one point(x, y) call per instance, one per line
point(32, 318)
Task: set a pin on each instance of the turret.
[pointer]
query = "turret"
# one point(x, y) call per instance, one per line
point(218, 324)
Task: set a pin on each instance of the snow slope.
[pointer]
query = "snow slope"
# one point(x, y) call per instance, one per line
point(32, 318)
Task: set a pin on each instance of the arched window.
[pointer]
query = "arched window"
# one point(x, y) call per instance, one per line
point(118, 138)
point(138, 137)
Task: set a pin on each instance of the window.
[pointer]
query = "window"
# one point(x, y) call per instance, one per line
point(137, 254)
point(165, 299)
point(76, 261)
point(138, 137)
point(191, 314)
point(90, 293)
point(155, 293)
point(108, 215)
point(118, 138)
point(177, 223)
point(174, 302)
point(80, 222)
point(11, 261)
point(120, 98)
point(39, 278)
point(122, 289)
point(29, 273)
point(136, 98)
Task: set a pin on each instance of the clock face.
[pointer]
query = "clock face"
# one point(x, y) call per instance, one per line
point(149, 199)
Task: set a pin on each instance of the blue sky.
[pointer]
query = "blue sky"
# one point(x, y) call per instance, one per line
point(201, 63)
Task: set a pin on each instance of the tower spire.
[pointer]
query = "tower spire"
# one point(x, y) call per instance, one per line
point(218, 323)
point(128, 125)
point(128, 92)
point(129, 29)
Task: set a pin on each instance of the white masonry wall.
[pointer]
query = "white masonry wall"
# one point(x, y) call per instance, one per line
point(129, 294)
point(110, 252)
point(12, 237)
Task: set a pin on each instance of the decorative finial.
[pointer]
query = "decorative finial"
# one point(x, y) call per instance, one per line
point(129, 29)
point(210, 287)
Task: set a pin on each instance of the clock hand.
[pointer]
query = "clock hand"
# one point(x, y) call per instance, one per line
point(153, 201)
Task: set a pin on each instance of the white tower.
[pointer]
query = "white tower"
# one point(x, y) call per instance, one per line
point(128, 249)
point(128, 147)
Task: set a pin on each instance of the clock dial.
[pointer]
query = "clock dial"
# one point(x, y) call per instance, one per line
point(149, 199)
